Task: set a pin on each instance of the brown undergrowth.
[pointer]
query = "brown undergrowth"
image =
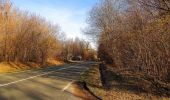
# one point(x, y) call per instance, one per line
point(7, 67)
point(122, 85)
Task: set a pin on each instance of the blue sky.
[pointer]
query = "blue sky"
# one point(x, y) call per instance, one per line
point(69, 14)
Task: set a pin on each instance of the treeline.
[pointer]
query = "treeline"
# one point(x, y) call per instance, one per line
point(26, 37)
point(134, 34)
point(76, 49)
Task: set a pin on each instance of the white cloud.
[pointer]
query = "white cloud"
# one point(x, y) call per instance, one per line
point(71, 21)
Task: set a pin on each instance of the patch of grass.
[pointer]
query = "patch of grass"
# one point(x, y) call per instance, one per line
point(52, 62)
point(12, 67)
point(92, 78)
point(7, 67)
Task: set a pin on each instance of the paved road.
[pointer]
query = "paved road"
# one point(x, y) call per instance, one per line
point(44, 84)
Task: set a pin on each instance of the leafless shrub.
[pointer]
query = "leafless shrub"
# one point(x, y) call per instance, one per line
point(133, 37)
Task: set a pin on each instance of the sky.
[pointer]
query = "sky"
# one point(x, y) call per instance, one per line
point(69, 14)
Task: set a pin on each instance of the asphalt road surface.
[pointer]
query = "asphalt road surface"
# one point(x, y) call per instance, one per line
point(44, 84)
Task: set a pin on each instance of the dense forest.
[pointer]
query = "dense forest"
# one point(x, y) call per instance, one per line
point(27, 37)
point(133, 34)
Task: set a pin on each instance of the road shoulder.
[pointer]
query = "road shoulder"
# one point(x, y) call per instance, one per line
point(93, 81)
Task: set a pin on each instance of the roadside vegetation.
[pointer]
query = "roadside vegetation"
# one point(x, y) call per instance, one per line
point(134, 41)
point(120, 89)
point(27, 40)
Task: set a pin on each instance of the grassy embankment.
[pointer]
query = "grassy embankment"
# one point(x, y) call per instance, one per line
point(117, 91)
point(6, 67)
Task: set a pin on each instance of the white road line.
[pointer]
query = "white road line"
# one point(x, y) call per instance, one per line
point(6, 84)
point(67, 86)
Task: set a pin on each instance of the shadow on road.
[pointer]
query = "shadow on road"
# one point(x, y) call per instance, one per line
point(46, 87)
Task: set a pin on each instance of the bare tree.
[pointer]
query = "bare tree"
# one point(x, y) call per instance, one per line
point(133, 37)
point(26, 37)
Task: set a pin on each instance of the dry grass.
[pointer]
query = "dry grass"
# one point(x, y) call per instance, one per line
point(16, 66)
point(11, 67)
point(51, 62)
point(117, 92)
